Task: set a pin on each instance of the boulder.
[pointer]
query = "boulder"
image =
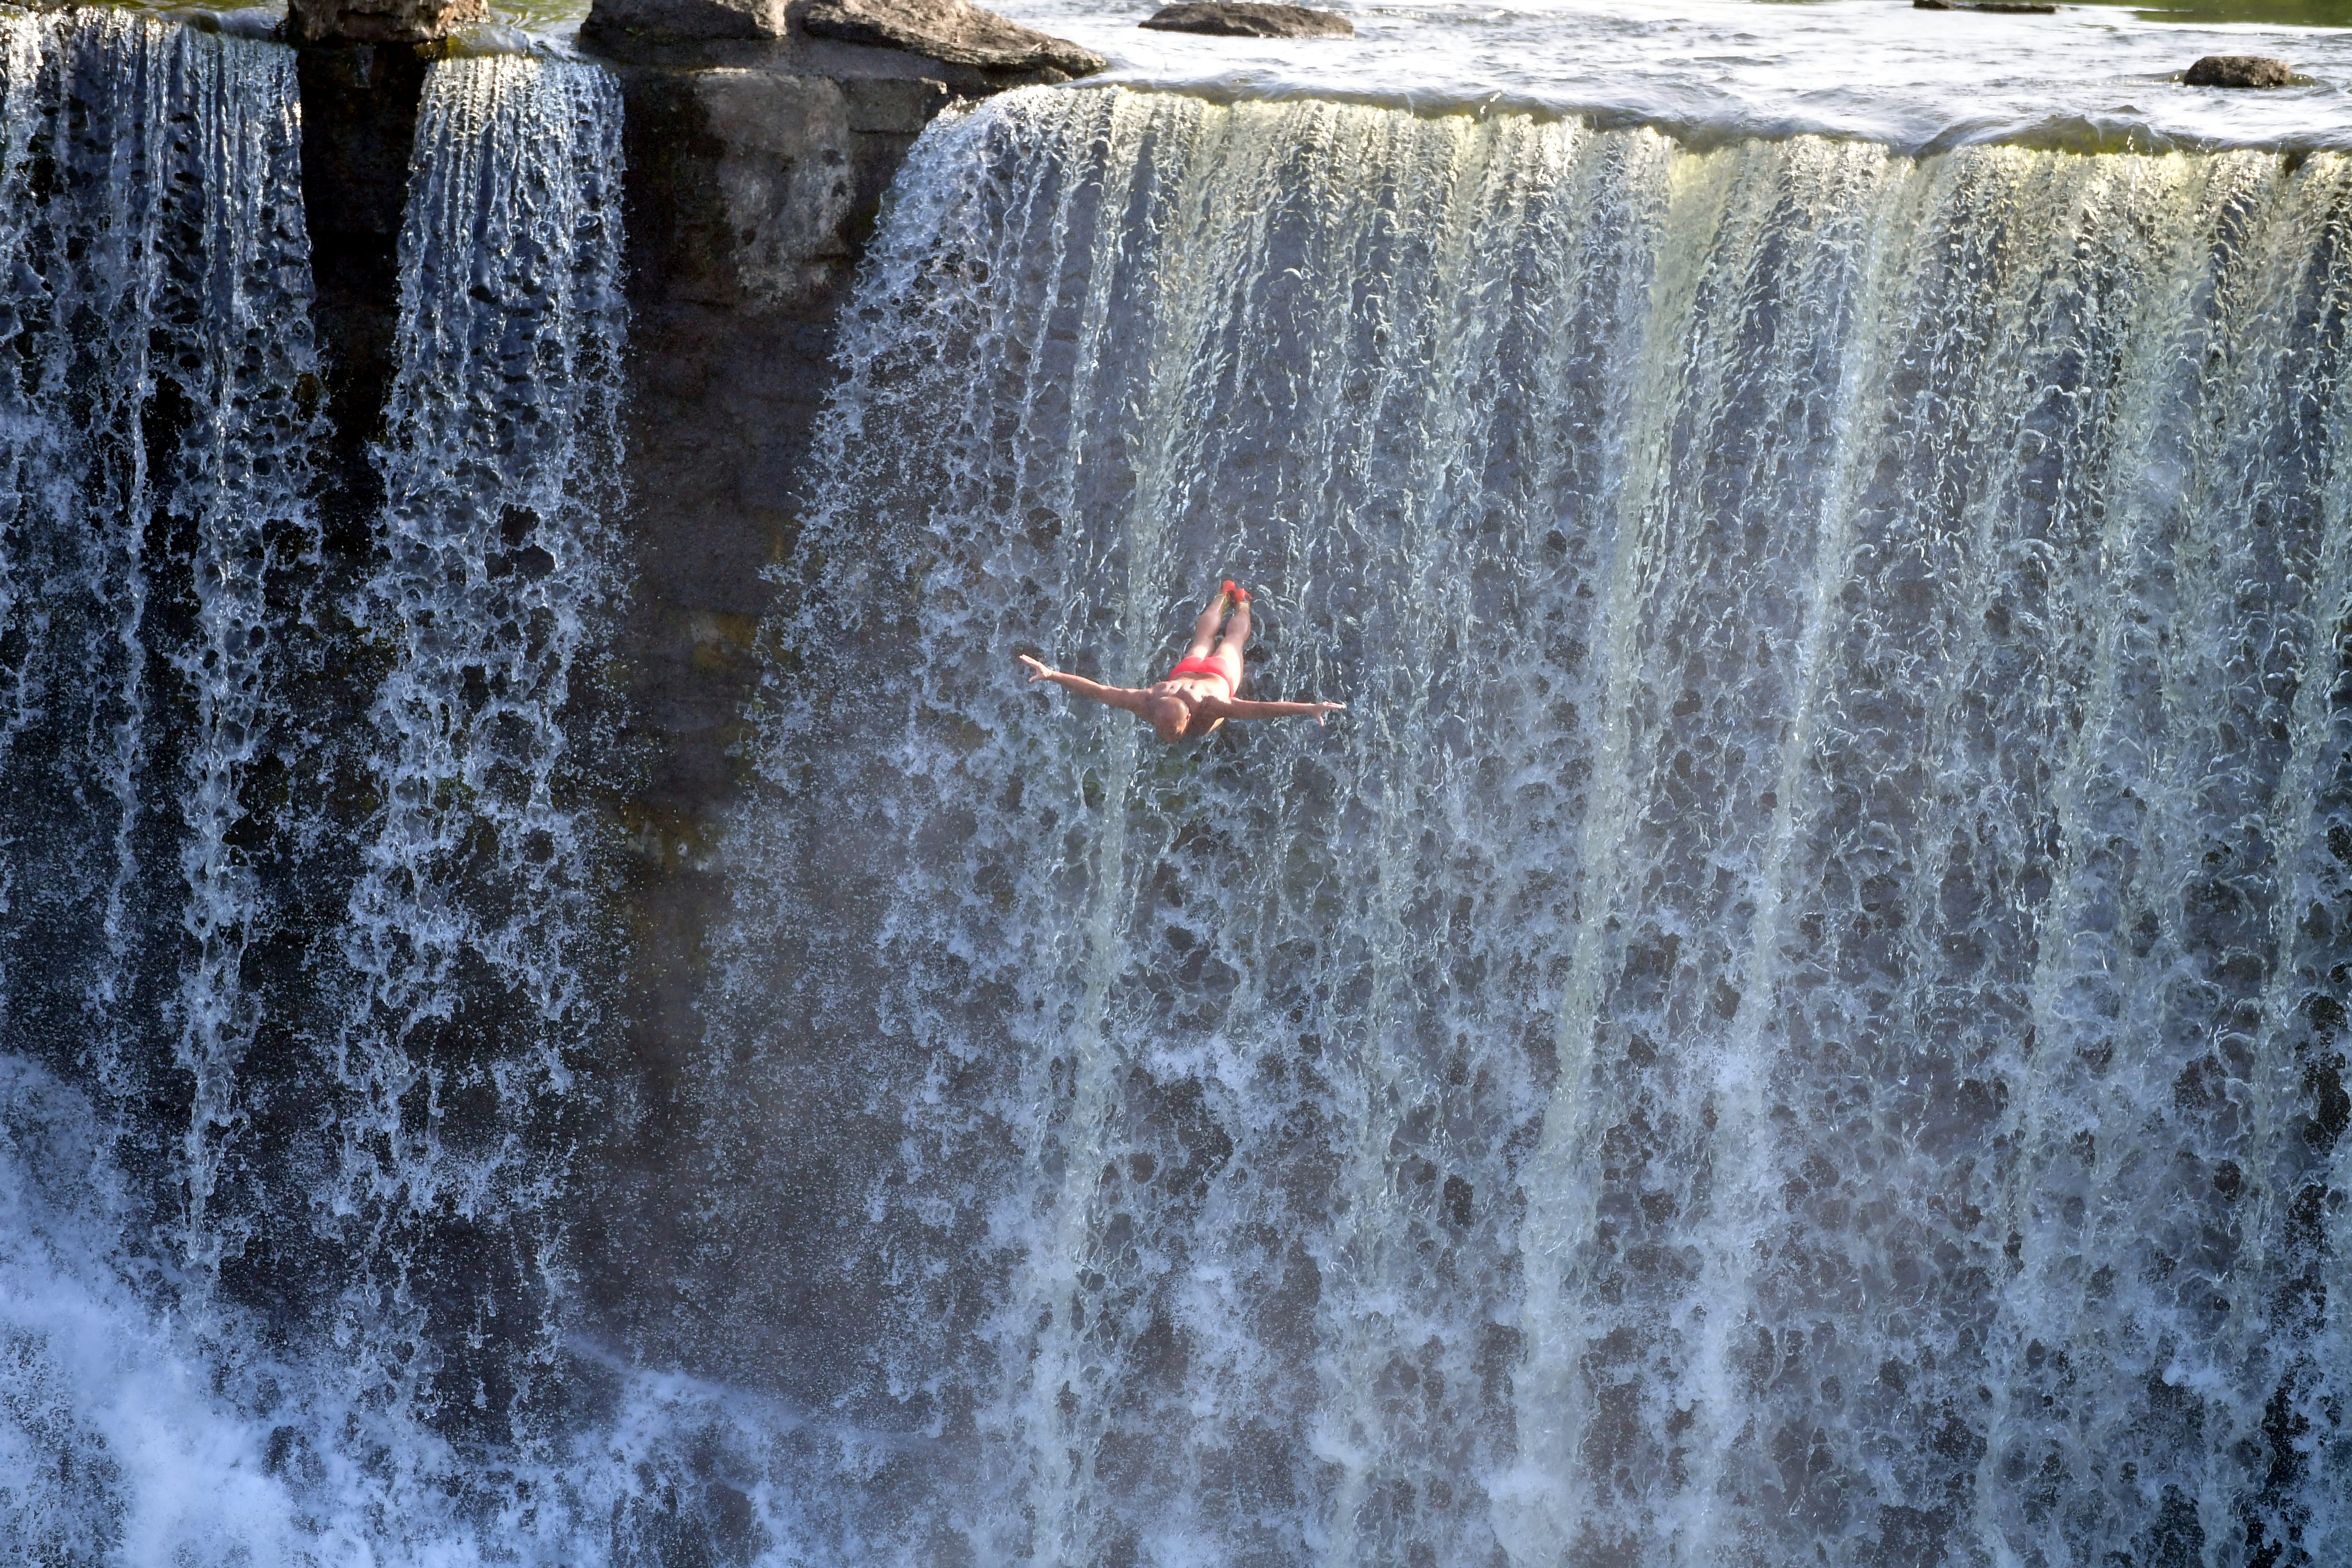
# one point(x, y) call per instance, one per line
point(2239, 70)
point(1250, 19)
point(1998, 8)
point(380, 21)
point(686, 19)
point(955, 31)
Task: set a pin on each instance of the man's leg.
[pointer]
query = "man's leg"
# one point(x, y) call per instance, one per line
point(1229, 647)
point(1204, 630)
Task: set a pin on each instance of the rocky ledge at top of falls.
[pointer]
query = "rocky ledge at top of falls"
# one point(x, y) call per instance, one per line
point(1250, 19)
point(953, 31)
point(382, 21)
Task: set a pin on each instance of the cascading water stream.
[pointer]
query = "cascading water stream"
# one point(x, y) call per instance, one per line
point(154, 404)
point(1799, 1018)
point(472, 932)
point(296, 944)
point(155, 555)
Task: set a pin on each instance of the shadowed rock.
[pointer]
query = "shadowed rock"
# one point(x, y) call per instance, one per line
point(380, 21)
point(359, 128)
point(952, 30)
point(1250, 19)
point(2239, 70)
point(696, 20)
point(758, 146)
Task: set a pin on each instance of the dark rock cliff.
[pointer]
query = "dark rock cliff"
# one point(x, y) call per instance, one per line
point(359, 116)
point(752, 182)
point(756, 169)
point(755, 172)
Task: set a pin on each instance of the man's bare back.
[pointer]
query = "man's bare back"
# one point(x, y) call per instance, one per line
point(1201, 692)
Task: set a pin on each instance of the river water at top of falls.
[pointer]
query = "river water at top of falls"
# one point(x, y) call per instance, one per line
point(2091, 76)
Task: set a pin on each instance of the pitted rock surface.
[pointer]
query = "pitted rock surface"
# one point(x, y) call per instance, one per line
point(382, 21)
point(1250, 19)
point(2239, 70)
point(952, 30)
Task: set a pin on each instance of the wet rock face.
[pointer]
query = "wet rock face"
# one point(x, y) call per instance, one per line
point(2239, 70)
point(952, 30)
point(382, 21)
point(359, 127)
point(780, 190)
point(1250, 19)
point(755, 166)
point(752, 187)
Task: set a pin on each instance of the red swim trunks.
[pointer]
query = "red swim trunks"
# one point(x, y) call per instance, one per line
point(1201, 667)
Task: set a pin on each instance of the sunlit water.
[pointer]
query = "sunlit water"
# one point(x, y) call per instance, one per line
point(2091, 76)
point(1799, 1018)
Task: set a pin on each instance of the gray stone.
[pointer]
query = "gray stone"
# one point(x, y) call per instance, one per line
point(893, 108)
point(380, 21)
point(783, 182)
point(687, 18)
point(1250, 19)
point(953, 30)
point(2239, 70)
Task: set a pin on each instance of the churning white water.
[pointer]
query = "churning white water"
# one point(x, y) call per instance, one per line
point(1799, 1016)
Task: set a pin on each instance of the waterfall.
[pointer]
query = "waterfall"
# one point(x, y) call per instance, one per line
point(157, 406)
point(1798, 1018)
point(471, 933)
point(299, 948)
point(156, 400)
point(1800, 1015)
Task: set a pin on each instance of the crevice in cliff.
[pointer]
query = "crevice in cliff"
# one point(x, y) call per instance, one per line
point(359, 123)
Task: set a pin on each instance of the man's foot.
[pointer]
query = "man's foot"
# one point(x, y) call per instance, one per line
point(1235, 594)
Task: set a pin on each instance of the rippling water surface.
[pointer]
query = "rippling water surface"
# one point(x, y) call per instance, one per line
point(2088, 77)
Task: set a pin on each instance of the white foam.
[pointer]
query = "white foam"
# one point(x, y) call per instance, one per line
point(2092, 77)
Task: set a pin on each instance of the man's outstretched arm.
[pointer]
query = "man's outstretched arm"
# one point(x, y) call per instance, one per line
point(1125, 697)
point(1243, 708)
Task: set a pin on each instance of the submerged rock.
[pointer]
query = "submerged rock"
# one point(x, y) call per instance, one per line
point(953, 30)
point(2239, 70)
point(380, 21)
point(704, 20)
point(1998, 8)
point(1250, 19)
